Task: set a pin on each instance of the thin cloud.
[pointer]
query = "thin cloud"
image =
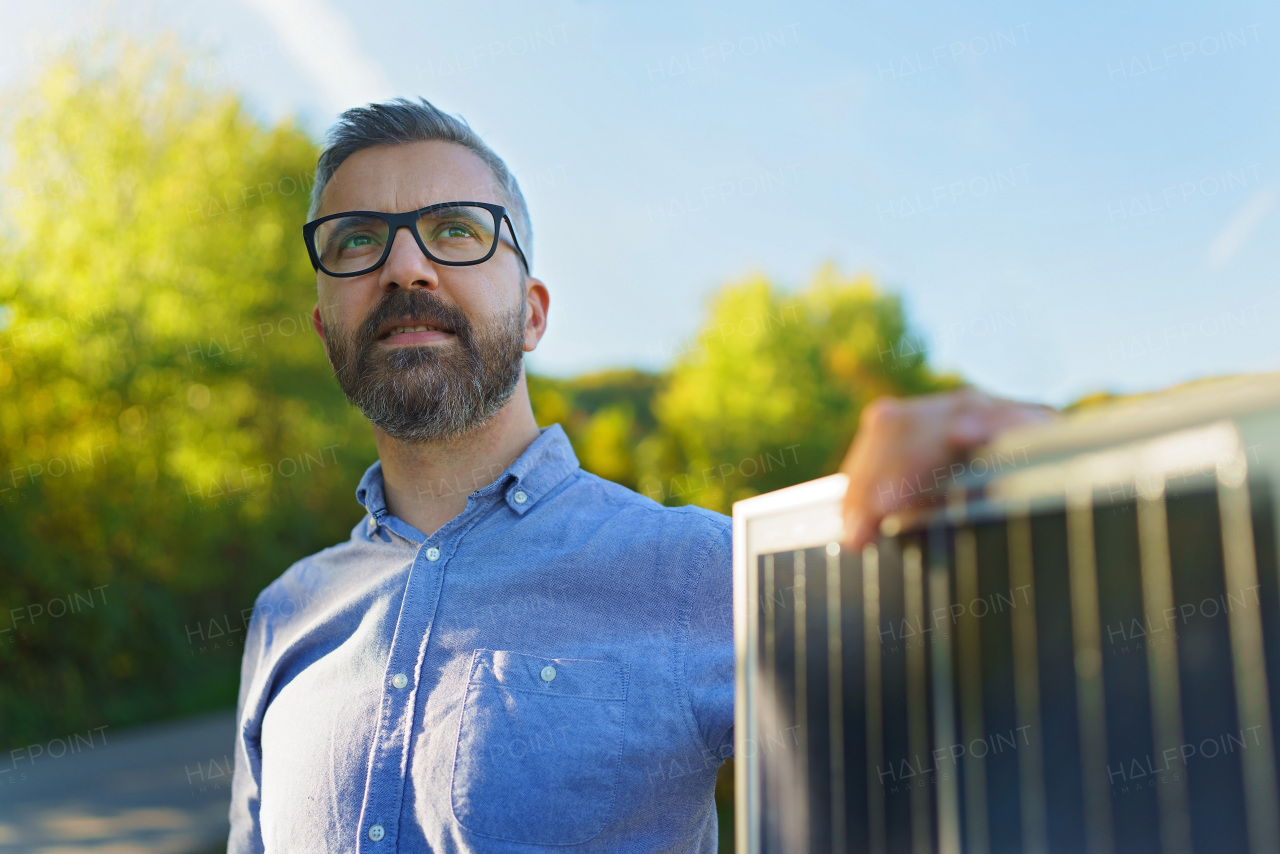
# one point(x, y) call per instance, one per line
point(1241, 227)
point(322, 42)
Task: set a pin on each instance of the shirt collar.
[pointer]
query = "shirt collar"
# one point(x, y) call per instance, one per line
point(542, 465)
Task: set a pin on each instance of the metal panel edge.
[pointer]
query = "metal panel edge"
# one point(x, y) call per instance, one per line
point(747, 544)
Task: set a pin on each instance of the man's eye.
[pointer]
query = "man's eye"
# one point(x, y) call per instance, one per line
point(358, 241)
point(455, 231)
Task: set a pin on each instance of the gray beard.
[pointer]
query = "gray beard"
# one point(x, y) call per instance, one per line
point(429, 392)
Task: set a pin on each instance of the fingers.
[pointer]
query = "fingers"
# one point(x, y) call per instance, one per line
point(860, 531)
point(906, 452)
point(869, 465)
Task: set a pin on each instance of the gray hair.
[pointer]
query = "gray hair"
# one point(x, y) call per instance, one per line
point(402, 121)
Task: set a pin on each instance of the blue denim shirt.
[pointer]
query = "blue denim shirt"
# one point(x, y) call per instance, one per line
point(552, 670)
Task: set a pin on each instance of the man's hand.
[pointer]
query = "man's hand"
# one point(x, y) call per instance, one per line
point(905, 448)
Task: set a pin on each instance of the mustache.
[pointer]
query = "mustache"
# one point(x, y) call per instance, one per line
point(419, 305)
point(346, 348)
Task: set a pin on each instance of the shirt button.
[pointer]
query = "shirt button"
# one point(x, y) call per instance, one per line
point(399, 680)
point(520, 497)
point(433, 553)
point(376, 833)
point(548, 673)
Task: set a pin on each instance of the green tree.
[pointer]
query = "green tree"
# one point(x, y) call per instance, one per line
point(171, 438)
point(770, 390)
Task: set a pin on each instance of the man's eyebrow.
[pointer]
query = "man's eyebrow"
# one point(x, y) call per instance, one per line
point(451, 206)
point(446, 204)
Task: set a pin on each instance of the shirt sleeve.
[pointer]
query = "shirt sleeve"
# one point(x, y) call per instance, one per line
point(246, 781)
point(709, 658)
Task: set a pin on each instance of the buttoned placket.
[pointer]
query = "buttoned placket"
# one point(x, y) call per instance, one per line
point(384, 792)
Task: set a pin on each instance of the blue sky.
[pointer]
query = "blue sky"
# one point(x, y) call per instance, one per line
point(1069, 198)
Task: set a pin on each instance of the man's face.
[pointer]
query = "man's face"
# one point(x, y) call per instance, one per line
point(435, 385)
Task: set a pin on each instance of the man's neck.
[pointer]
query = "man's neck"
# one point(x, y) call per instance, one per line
point(427, 484)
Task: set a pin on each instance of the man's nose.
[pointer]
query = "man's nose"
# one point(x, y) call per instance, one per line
point(406, 264)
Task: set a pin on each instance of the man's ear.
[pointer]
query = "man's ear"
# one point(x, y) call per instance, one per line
point(318, 322)
point(537, 300)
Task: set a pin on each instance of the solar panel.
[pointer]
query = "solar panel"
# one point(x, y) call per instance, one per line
point(1077, 655)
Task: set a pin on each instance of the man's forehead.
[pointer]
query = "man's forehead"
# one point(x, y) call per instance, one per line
point(407, 176)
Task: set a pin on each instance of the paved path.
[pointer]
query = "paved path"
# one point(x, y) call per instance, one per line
point(162, 789)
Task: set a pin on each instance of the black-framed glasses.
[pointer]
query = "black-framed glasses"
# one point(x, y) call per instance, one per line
point(457, 234)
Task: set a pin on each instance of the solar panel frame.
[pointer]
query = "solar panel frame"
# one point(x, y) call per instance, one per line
point(1086, 497)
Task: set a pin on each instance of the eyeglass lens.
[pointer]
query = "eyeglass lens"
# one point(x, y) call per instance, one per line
point(356, 243)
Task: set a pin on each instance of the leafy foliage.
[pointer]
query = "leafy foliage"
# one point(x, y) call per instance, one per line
point(169, 428)
point(773, 392)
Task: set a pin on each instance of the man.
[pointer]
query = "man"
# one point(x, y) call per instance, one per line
point(509, 654)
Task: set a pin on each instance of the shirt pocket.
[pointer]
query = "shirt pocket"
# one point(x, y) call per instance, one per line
point(539, 747)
